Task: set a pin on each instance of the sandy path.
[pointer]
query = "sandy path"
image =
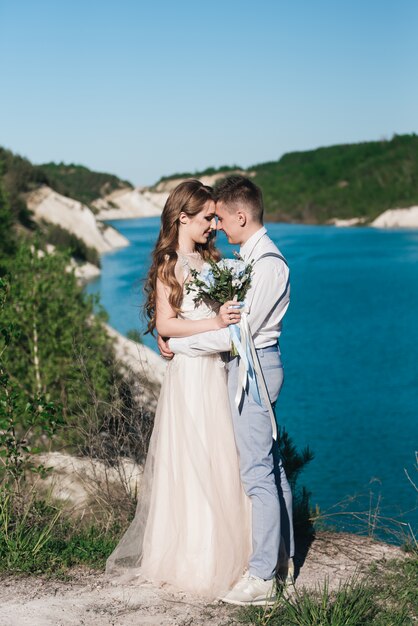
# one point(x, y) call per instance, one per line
point(90, 599)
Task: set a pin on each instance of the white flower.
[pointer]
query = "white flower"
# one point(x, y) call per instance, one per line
point(206, 275)
point(234, 265)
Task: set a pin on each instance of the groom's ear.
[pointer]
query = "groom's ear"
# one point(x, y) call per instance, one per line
point(242, 218)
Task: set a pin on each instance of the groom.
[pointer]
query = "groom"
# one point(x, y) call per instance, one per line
point(239, 208)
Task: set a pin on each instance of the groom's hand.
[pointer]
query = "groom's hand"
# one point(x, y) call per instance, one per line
point(164, 348)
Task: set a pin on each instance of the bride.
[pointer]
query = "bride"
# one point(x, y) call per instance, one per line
point(191, 529)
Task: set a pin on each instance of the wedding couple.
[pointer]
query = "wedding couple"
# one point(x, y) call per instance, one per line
point(215, 506)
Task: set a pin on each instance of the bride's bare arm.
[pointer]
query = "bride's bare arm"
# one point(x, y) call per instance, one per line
point(169, 325)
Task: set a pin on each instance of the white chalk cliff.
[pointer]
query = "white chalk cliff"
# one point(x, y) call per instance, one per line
point(346, 223)
point(397, 218)
point(75, 217)
point(129, 203)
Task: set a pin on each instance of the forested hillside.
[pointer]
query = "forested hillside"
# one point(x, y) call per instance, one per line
point(81, 183)
point(18, 176)
point(209, 171)
point(344, 181)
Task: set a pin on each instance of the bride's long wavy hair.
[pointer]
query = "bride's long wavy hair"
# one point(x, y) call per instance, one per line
point(188, 197)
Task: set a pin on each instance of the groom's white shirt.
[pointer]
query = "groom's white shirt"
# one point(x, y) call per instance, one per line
point(266, 301)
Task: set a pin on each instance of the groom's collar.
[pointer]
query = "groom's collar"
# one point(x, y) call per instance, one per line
point(247, 248)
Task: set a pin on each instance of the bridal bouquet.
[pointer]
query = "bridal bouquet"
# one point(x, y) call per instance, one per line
point(228, 279)
point(225, 280)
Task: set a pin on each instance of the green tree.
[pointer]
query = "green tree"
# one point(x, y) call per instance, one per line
point(58, 343)
point(7, 236)
point(20, 416)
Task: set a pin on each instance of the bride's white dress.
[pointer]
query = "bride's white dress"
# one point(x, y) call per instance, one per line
point(191, 529)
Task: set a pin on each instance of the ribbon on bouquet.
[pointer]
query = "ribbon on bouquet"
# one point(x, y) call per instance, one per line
point(250, 372)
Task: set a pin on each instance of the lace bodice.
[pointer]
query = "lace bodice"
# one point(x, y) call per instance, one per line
point(190, 310)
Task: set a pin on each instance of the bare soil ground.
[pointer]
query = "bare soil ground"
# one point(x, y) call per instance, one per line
point(89, 598)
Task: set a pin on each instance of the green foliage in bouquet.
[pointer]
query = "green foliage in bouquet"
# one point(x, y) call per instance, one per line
point(225, 280)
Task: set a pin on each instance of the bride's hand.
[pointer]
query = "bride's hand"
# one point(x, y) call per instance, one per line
point(228, 314)
point(164, 348)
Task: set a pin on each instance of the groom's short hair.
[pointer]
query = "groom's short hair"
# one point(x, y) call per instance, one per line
point(236, 189)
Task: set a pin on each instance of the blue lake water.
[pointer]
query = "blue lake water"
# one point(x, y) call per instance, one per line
point(350, 350)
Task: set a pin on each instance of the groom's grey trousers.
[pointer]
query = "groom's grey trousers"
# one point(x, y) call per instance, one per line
point(264, 482)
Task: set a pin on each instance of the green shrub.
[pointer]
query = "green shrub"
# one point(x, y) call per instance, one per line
point(388, 597)
point(294, 462)
point(68, 242)
point(134, 335)
point(37, 537)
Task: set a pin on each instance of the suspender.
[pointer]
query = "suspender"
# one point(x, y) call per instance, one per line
point(272, 254)
point(277, 256)
point(259, 372)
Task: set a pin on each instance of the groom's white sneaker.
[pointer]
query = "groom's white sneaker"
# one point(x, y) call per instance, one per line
point(252, 590)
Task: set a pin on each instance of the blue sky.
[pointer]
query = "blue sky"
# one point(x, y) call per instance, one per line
point(145, 89)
